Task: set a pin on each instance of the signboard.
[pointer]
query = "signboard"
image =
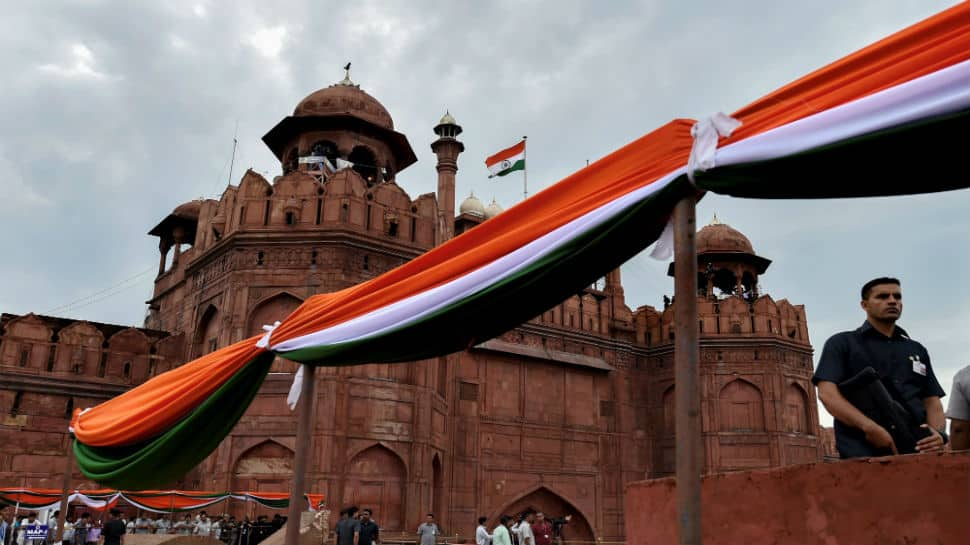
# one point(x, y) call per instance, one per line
point(36, 531)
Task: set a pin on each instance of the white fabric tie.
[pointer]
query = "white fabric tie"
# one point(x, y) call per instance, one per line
point(294, 396)
point(702, 157)
point(71, 428)
point(706, 133)
point(264, 341)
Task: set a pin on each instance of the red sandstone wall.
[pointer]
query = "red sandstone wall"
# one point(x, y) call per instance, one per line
point(907, 499)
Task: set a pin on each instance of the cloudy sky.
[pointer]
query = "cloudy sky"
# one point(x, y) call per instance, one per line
point(113, 113)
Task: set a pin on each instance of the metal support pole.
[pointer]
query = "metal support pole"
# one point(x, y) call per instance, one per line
point(304, 428)
point(690, 449)
point(65, 487)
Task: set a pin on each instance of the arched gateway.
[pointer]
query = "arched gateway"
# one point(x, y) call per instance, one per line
point(552, 505)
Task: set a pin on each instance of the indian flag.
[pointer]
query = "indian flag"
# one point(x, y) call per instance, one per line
point(507, 160)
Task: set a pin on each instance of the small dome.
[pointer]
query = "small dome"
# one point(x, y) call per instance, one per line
point(189, 210)
point(493, 209)
point(720, 237)
point(472, 205)
point(447, 119)
point(345, 98)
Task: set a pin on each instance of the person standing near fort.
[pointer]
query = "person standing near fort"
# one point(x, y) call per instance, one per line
point(903, 366)
point(428, 531)
point(114, 529)
point(958, 410)
point(500, 534)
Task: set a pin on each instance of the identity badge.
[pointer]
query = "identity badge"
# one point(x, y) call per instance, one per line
point(918, 366)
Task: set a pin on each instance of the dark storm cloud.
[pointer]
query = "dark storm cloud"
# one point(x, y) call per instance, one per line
point(114, 113)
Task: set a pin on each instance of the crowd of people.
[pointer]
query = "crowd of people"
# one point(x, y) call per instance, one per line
point(87, 530)
point(357, 527)
point(529, 528)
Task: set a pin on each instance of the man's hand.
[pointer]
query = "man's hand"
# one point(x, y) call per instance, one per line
point(877, 436)
point(933, 443)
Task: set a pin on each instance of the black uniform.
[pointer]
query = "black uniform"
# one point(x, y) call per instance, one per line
point(899, 360)
point(369, 533)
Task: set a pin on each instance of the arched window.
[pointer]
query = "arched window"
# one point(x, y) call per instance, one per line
point(325, 148)
point(378, 464)
point(265, 467)
point(796, 410)
point(51, 357)
point(24, 355)
point(18, 398)
point(207, 332)
point(291, 161)
point(670, 416)
point(268, 311)
point(741, 407)
point(365, 163)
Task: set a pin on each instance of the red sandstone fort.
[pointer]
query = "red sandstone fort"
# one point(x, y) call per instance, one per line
point(558, 414)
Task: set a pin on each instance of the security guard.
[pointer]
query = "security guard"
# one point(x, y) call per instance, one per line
point(902, 363)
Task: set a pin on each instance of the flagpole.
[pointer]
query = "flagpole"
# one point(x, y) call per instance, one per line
point(65, 486)
point(304, 430)
point(235, 141)
point(525, 170)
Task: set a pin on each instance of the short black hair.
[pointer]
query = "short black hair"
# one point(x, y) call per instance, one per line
point(430, 515)
point(481, 520)
point(368, 511)
point(505, 519)
point(867, 287)
point(115, 512)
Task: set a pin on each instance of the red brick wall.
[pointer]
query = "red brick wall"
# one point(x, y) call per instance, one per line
point(906, 499)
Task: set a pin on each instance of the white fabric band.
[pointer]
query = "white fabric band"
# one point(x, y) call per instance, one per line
point(294, 396)
point(706, 133)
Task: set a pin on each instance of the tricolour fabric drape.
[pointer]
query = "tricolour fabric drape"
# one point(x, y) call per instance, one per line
point(157, 501)
point(889, 119)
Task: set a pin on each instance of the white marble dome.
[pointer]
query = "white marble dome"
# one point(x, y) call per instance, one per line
point(472, 205)
point(493, 209)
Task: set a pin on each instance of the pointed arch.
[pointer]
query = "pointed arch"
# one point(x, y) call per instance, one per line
point(207, 332)
point(669, 411)
point(365, 163)
point(375, 480)
point(437, 486)
point(266, 466)
point(797, 418)
point(270, 309)
point(274, 307)
point(268, 449)
point(741, 407)
point(546, 498)
point(381, 444)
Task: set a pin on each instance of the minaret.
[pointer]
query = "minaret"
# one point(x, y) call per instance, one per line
point(446, 147)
